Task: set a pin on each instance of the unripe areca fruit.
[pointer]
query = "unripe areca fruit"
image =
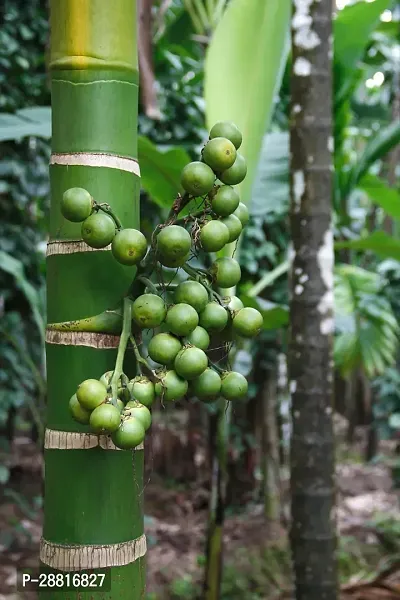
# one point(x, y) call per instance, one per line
point(91, 393)
point(225, 201)
point(225, 272)
point(234, 385)
point(229, 130)
point(219, 153)
point(98, 230)
point(234, 227)
point(182, 319)
point(214, 235)
point(214, 317)
point(79, 414)
point(76, 204)
point(236, 173)
point(248, 322)
point(242, 213)
point(142, 390)
point(233, 303)
point(163, 348)
point(120, 404)
point(149, 311)
point(197, 178)
point(207, 386)
point(173, 245)
point(199, 337)
point(171, 387)
point(190, 362)
point(105, 379)
point(193, 293)
point(129, 246)
point(129, 434)
point(140, 412)
point(106, 418)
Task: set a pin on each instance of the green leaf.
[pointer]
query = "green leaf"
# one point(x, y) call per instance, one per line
point(14, 267)
point(379, 145)
point(27, 121)
point(352, 29)
point(243, 69)
point(380, 193)
point(366, 328)
point(161, 171)
point(275, 315)
point(379, 242)
point(271, 186)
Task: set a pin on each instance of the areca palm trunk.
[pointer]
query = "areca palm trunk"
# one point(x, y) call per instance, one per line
point(313, 535)
point(93, 492)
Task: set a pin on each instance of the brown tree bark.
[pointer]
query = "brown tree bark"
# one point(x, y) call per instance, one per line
point(313, 537)
point(270, 451)
point(148, 93)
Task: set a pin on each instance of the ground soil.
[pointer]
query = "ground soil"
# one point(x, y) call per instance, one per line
point(175, 526)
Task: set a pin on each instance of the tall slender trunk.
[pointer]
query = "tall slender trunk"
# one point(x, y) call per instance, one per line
point(313, 537)
point(219, 436)
point(93, 492)
point(270, 451)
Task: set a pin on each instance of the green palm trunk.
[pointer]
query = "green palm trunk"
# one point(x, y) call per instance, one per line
point(93, 493)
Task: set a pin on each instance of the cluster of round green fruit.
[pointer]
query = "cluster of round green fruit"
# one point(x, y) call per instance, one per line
point(221, 167)
point(185, 330)
point(99, 227)
point(126, 419)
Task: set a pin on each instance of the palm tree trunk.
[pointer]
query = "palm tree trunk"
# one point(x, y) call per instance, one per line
point(93, 493)
point(270, 451)
point(313, 538)
point(219, 436)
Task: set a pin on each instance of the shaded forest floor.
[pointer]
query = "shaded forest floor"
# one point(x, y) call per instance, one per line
point(257, 559)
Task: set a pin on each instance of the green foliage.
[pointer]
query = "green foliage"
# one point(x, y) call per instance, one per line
point(23, 204)
point(378, 146)
point(161, 171)
point(381, 243)
point(352, 29)
point(271, 186)
point(381, 194)
point(205, 14)
point(23, 37)
point(14, 267)
point(387, 408)
point(245, 59)
point(367, 330)
point(35, 121)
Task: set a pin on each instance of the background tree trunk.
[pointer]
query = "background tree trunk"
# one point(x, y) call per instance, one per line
point(93, 496)
point(313, 538)
point(270, 451)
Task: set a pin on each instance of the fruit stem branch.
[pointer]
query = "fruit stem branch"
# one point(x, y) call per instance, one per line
point(179, 204)
point(191, 271)
point(149, 284)
point(200, 275)
point(216, 367)
point(192, 217)
point(142, 364)
point(107, 209)
point(123, 342)
point(168, 287)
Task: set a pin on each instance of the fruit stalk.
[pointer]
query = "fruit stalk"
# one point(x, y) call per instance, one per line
point(107, 209)
point(94, 80)
point(123, 342)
